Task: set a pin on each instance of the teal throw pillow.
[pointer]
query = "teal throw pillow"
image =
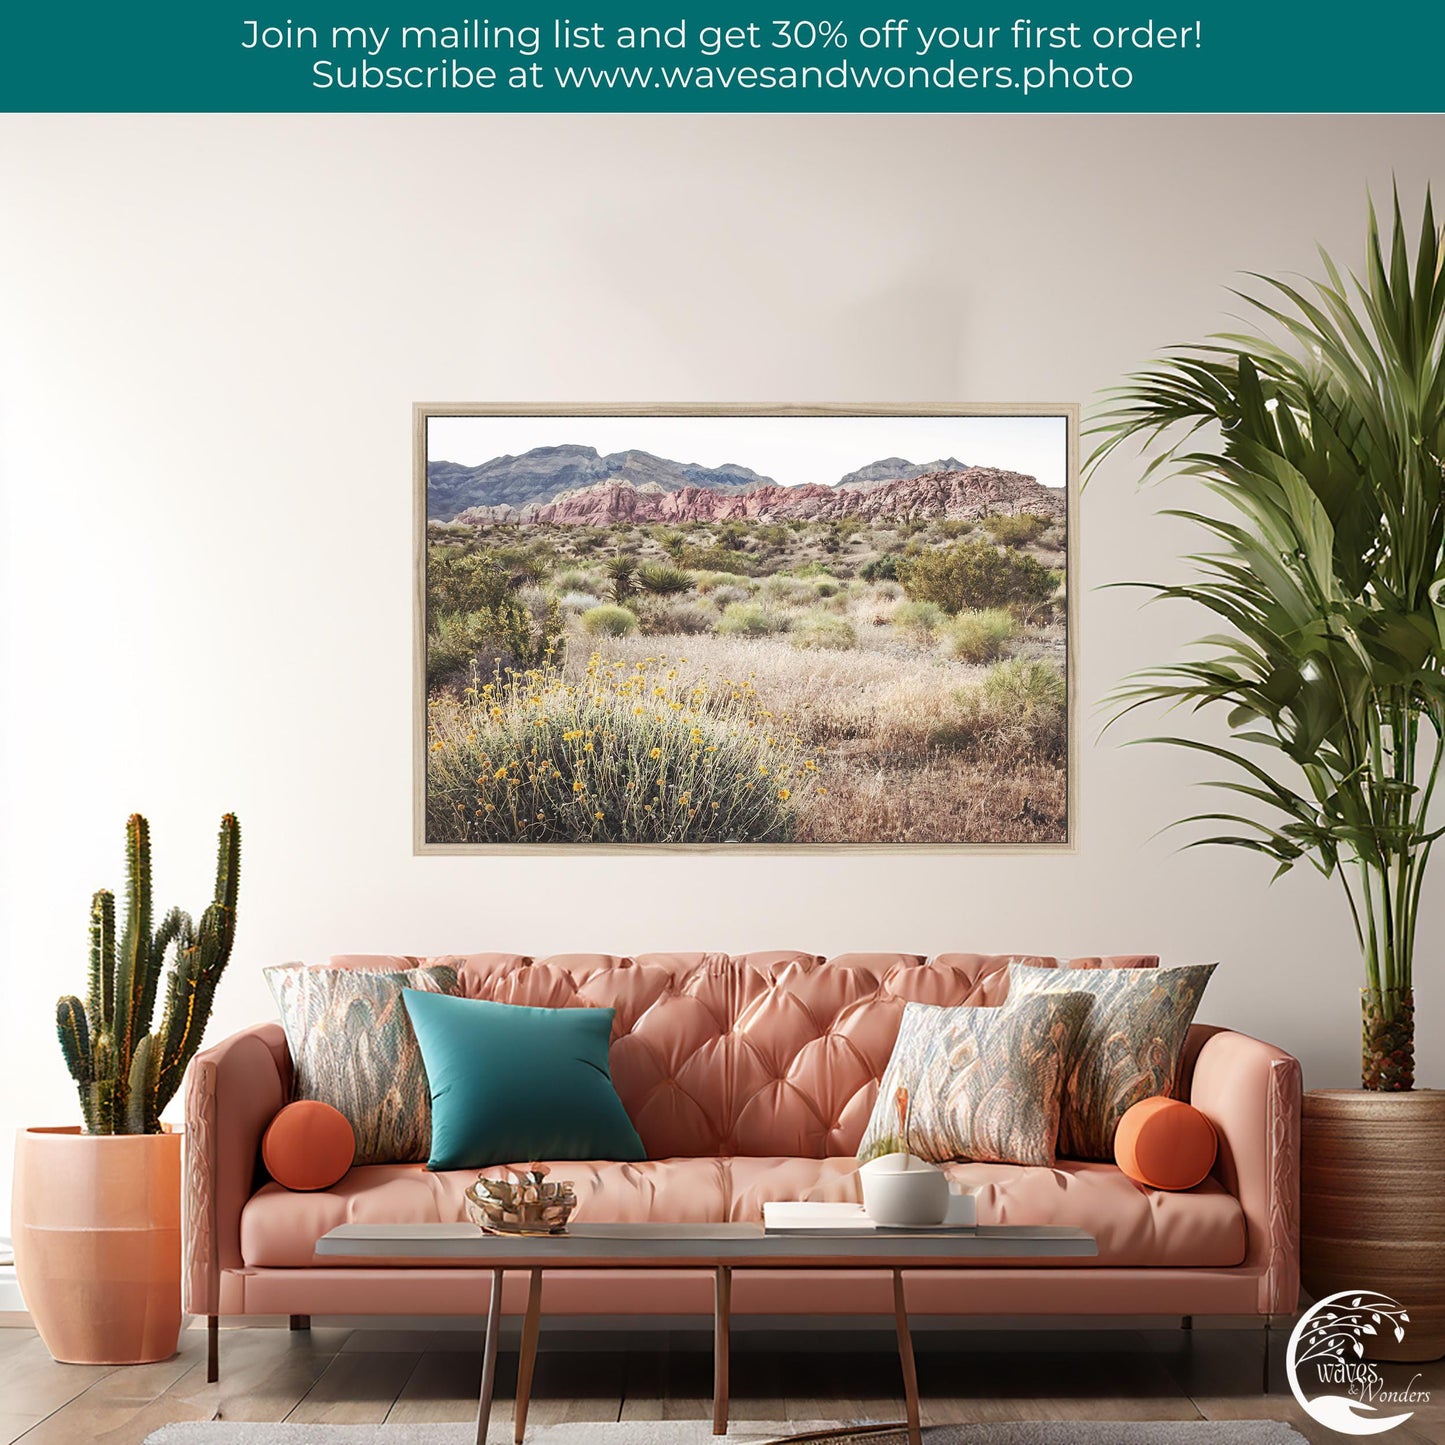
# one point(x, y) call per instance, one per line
point(512, 1084)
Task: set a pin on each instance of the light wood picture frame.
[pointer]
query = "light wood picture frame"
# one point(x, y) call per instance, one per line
point(708, 628)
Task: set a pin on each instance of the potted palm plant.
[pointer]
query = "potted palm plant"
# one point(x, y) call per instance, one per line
point(97, 1211)
point(1321, 439)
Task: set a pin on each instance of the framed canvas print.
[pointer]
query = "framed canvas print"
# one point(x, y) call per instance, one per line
point(744, 627)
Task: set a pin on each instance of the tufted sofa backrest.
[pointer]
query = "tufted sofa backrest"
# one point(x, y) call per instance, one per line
point(771, 1053)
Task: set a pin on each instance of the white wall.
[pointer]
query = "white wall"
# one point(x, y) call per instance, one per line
point(212, 330)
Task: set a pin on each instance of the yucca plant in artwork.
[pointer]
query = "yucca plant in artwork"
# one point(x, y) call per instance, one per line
point(1322, 440)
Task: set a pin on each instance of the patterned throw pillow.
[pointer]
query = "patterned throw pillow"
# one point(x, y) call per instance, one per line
point(982, 1083)
point(1128, 1049)
point(353, 1047)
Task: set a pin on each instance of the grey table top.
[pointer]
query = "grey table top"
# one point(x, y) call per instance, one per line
point(742, 1246)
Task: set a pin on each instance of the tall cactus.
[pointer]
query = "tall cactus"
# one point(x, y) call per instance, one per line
point(127, 1074)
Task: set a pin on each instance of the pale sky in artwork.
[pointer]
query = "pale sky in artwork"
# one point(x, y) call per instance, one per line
point(791, 450)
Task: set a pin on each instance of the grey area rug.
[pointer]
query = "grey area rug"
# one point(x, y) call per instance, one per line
point(699, 1432)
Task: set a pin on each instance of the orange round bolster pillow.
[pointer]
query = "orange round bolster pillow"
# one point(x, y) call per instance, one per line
point(1165, 1143)
point(308, 1145)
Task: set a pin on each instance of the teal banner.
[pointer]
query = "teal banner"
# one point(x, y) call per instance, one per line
point(731, 55)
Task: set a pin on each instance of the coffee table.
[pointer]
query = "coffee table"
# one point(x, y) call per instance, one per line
point(719, 1248)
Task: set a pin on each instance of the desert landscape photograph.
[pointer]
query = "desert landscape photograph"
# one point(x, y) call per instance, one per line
point(723, 629)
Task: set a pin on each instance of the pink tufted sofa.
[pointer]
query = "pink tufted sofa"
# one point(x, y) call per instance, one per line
point(750, 1078)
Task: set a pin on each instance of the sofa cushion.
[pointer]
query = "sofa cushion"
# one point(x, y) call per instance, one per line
point(1166, 1143)
point(1134, 1225)
point(977, 1083)
point(354, 1048)
point(1128, 1048)
point(308, 1145)
point(509, 1082)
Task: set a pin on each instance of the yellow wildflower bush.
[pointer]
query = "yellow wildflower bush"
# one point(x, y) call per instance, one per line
point(632, 752)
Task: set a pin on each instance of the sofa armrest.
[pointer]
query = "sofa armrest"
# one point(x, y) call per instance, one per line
point(233, 1090)
point(1250, 1092)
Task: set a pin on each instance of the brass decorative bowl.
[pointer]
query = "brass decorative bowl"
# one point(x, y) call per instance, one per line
point(524, 1205)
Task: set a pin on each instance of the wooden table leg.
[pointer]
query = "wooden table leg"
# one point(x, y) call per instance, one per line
point(527, 1362)
point(721, 1323)
point(905, 1358)
point(489, 1358)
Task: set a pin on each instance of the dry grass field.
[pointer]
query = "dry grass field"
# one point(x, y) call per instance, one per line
point(819, 683)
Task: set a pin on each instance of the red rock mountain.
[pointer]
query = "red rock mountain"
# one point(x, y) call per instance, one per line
point(963, 495)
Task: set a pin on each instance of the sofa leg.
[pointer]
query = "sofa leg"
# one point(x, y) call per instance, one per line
point(213, 1349)
point(1186, 1322)
point(300, 1322)
point(1265, 1377)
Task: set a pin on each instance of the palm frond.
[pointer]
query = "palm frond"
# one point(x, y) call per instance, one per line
point(1319, 439)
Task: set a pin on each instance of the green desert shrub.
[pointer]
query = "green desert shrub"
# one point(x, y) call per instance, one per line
point(714, 559)
point(1017, 529)
point(880, 569)
point(971, 575)
point(491, 640)
point(626, 755)
point(724, 595)
point(450, 647)
point(464, 582)
point(662, 615)
point(750, 619)
point(824, 631)
point(788, 590)
point(609, 620)
point(1019, 710)
point(981, 636)
point(575, 580)
point(920, 620)
point(662, 579)
point(826, 586)
point(955, 527)
point(706, 582)
point(1026, 686)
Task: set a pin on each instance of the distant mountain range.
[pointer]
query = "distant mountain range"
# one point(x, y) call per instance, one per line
point(545, 473)
point(892, 469)
point(577, 486)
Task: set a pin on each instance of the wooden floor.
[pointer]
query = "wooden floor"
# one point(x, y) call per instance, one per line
point(367, 1376)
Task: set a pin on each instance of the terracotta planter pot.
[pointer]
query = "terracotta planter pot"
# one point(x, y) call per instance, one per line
point(97, 1225)
point(1372, 1206)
